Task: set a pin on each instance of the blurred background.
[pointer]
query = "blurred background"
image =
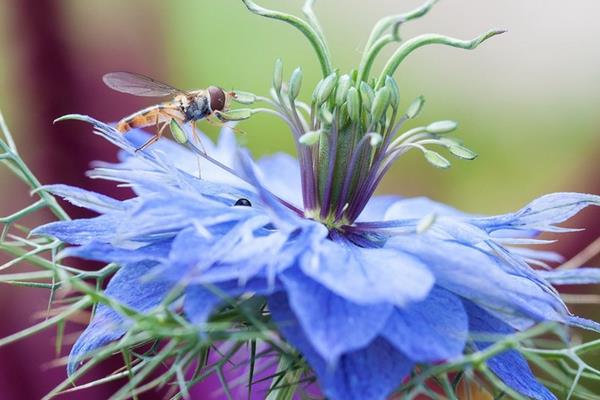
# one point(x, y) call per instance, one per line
point(526, 101)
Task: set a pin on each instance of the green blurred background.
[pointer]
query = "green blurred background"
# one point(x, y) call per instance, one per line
point(527, 101)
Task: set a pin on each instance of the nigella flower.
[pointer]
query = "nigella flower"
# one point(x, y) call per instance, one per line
point(363, 302)
point(365, 287)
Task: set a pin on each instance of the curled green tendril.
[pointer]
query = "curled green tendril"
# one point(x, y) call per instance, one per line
point(378, 40)
point(423, 40)
point(313, 35)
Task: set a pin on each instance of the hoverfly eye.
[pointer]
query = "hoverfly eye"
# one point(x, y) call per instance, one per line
point(243, 203)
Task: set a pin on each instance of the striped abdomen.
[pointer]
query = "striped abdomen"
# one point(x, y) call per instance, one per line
point(149, 116)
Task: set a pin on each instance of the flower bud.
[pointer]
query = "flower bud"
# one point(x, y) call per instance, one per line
point(367, 95)
point(244, 97)
point(380, 104)
point(310, 138)
point(295, 83)
point(325, 115)
point(462, 152)
point(326, 87)
point(375, 139)
point(436, 159)
point(353, 104)
point(415, 108)
point(177, 131)
point(392, 86)
point(237, 114)
point(278, 75)
point(341, 93)
point(441, 127)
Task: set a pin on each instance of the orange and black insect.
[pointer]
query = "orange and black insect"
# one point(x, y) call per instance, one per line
point(184, 107)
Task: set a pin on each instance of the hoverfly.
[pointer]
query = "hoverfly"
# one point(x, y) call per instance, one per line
point(186, 106)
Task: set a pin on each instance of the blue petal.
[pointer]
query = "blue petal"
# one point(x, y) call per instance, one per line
point(336, 325)
point(541, 214)
point(98, 251)
point(83, 198)
point(475, 275)
point(432, 330)
point(201, 300)
point(370, 373)
point(368, 276)
point(376, 208)
point(509, 366)
point(129, 288)
point(579, 276)
point(282, 216)
point(281, 174)
point(419, 207)
point(82, 231)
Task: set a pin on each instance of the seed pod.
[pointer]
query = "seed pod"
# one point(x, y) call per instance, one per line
point(392, 86)
point(441, 127)
point(415, 108)
point(353, 104)
point(278, 75)
point(295, 83)
point(367, 95)
point(344, 84)
point(380, 104)
point(177, 131)
point(310, 138)
point(326, 88)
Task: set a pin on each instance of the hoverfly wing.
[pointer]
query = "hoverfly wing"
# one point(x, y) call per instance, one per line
point(139, 85)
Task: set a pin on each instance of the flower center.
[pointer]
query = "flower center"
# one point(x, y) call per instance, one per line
point(346, 140)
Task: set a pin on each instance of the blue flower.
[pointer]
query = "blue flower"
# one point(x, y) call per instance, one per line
point(363, 300)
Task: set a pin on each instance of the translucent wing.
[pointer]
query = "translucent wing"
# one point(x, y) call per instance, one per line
point(139, 85)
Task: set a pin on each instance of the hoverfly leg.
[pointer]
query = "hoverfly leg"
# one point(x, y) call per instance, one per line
point(150, 142)
point(199, 141)
point(153, 139)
